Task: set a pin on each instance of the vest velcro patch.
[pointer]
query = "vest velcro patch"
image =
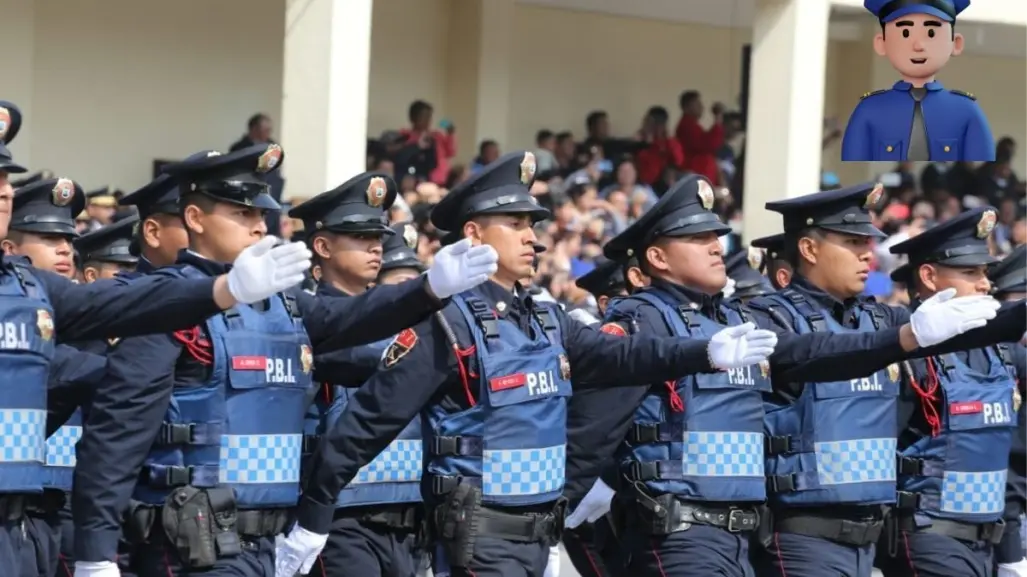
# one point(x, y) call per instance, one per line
point(966, 408)
point(249, 363)
point(399, 348)
point(508, 382)
point(613, 329)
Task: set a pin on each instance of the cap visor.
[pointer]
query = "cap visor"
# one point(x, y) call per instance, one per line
point(12, 168)
point(714, 226)
point(65, 229)
point(918, 9)
point(861, 229)
point(536, 212)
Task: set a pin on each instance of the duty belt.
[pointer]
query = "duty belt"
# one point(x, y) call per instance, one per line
point(668, 514)
point(403, 517)
point(522, 527)
point(857, 533)
point(969, 532)
point(48, 502)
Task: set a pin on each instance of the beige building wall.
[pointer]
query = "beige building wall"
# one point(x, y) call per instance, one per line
point(109, 85)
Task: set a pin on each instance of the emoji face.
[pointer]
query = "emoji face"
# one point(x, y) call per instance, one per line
point(918, 46)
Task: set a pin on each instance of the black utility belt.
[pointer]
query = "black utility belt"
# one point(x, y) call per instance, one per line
point(668, 514)
point(399, 517)
point(854, 532)
point(959, 530)
point(45, 504)
point(521, 527)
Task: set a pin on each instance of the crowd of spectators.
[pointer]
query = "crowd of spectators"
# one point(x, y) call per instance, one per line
point(597, 184)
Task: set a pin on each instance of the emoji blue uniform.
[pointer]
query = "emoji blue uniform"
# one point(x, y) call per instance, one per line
point(923, 123)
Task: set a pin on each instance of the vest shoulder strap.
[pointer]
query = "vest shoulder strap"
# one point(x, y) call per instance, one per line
point(28, 281)
point(484, 316)
point(814, 317)
point(545, 317)
point(871, 308)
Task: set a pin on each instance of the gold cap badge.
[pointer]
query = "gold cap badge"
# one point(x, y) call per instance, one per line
point(63, 192)
point(269, 159)
point(705, 192)
point(376, 191)
point(986, 224)
point(410, 236)
point(528, 168)
point(874, 197)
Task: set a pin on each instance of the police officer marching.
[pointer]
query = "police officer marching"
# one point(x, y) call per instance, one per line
point(1009, 283)
point(490, 379)
point(955, 432)
point(222, 404)
point(832, 476)
point(377, 519)
point(40, 305)
point(694, 511)
point(743, 268)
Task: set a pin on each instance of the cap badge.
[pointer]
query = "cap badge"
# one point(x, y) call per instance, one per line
point(705, 192)
point(5, 122)
point(528, 168)
point(63, 192)
point(986, 224)
point(874, 197)
point(269, 159)
point(755, 258)
point(213, 153)
point(410, 236)
point(376, 191)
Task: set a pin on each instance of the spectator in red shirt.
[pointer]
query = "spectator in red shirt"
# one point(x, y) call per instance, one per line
point(700, 144)
point(436, 147)
point(661, 151)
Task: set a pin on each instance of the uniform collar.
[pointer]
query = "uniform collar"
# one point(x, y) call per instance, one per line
point(503, 301)
point(202, 263)
point(838, 308)
point(144, 266)
point(904, 86)
point(328, 289)
point(707, 305)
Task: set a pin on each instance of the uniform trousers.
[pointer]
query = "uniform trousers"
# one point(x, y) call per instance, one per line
point(358, 548)
point(922, 554)
point(793, 555)
point(495, 557)
point(158, 559)
point(593, 549)
point(700, 550)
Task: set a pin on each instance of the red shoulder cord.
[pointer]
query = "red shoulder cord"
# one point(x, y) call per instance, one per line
point(929, 397)
point(676, 404)
point(198, 347)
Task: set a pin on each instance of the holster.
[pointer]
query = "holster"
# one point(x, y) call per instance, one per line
point(765, 531)
point(200, 525)
point(456, 523)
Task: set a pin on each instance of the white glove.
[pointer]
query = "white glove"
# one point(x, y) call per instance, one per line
point(459, 267)
point(595, 504)
point(96, 569)
point(261, 271)
point(297, 552)
point(553, 567)
point(945, 315)
point(729, 288)
point(1018, 569)
point(740, 346)
point(584, 317)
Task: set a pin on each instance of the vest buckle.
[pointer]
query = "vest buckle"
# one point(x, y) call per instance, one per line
point(177, 433)
point(778, 445)
point(910, 466)
point(178, 476)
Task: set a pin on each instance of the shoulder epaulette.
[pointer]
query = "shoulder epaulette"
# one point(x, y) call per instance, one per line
point(969, 95)
point(869, 94)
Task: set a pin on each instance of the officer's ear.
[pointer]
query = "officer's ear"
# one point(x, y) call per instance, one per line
point(783, 277)
point(957, 43)
point(808, 248)
point(9, 247)
point(90, 274)
point(194, 217)
point(149, 233)
point(927, 275)
point(879, 45)
point(321, 247)
point(601, 302)
point(472, 230)
point(657, 258)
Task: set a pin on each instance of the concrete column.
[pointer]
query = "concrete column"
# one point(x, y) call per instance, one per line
point(17, 71)
point(495, 51)
point(324, 93)
point(786, 104)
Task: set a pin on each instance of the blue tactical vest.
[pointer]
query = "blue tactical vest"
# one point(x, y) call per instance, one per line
point(243, 427)
point(26, 349)
point(513, 441)
point(835, 444)
point(60, 454)
point(394, 476)
point(960, 474)
point(713, 449)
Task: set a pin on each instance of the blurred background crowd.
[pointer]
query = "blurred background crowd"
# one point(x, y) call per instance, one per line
point(596, 183)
